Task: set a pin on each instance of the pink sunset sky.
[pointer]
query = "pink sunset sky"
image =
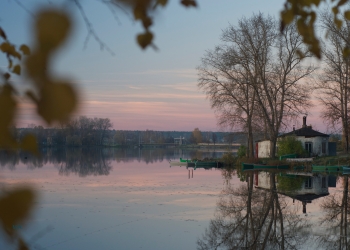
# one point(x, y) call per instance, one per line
point(139, 89)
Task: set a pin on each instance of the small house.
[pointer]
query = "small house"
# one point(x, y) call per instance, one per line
point(314, 142)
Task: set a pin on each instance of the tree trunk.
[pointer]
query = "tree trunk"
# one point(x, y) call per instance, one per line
point(273, 142)
point(250, 141)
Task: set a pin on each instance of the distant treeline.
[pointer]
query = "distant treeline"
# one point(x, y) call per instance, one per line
point(77, 132)
point(84, 131)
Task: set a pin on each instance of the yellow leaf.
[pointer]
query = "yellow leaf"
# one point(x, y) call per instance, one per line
point(7, 110)
point(347, 14)
point(7, 106)
point(287, 16)
point(162, 2)
point(36, 65)
point(6, 47)
point(335, 10)
point(52, 28)
point(301, 27)
point(139, 12)
point(145, 39)
point(146, 21)
point(189, 3)
point(317, 2)
point(346, 52)
point(7, 76)
point(342, 2)
point(17, 69)
point(10, 49)
point(338, 23)
point(25, 49)
point(29, 144)
point(57, 101)
point(15, 207)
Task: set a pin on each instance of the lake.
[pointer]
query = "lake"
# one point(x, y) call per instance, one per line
point(114, 199)
point(134, 199)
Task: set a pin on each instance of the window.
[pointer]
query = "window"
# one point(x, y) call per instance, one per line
point(323, 182)
point(308, 183)
point(308, 147)
point(324, 147)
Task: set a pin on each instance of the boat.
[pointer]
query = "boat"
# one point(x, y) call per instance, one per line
point(177, 163)
point(289, 156)
point(331, 169)
point(267, 167)
point(205, 164)
point(182, 160)
point(300, 159)
point(249, 166)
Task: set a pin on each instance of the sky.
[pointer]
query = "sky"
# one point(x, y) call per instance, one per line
point(137, 89)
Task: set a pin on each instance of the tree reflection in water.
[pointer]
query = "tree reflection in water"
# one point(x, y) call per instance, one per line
point(250, 218)
point(86, 161)
point(81, 161)
point(335, 219)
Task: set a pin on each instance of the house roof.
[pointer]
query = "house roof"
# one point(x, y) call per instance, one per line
point(306, 197)
point(306, 131)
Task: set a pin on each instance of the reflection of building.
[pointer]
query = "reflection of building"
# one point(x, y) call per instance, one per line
point(312, 187)
point(314, 142)
point(180, 140)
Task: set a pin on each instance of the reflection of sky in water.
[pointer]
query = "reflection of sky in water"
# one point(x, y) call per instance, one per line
point(136, 206)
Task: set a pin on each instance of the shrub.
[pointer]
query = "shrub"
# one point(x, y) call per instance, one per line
point(290, 145)
point(242, 151)
point(290, 184)
point(228, 159)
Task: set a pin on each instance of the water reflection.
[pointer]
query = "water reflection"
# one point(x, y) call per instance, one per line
point(255, 210)
point(95, 161)
point(262, 212)
point(335, 218)
point(249, 218)
point(303, 187)
point(137, 191)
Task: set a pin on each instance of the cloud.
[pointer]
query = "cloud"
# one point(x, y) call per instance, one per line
point(187, 73)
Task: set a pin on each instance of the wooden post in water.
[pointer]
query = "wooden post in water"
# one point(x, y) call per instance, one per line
point(192, 173)
point(189, 174)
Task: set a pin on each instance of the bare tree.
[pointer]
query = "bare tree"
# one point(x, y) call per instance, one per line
point(333, 83)
point(277, 69)
point(256, 74)
point(102, 125)
point(227, 86)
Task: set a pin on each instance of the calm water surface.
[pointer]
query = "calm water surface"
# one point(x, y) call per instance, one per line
point(134, 199)
point(114, 199)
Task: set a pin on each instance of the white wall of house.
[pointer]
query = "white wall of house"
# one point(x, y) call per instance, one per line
point(264, 149)
point(314, 187)
point(316, 144)
point(263, 180)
